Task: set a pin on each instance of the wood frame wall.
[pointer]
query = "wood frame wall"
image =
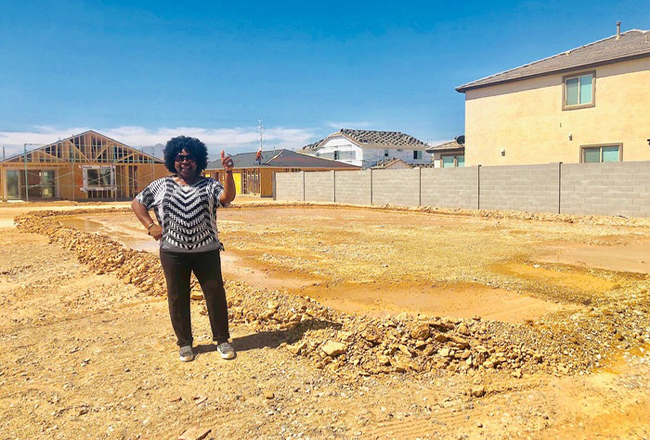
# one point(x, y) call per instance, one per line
point(133, 169)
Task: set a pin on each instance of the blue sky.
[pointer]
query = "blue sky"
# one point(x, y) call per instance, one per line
point(145, 71)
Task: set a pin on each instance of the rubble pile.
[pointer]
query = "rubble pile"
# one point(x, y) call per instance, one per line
point(562, 344)
point(98, 252)
point(405, 343)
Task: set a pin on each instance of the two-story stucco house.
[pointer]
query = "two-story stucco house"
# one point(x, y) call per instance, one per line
point(365, 148)
point(589, 104)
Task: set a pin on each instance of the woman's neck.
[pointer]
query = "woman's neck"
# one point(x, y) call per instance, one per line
point(189, 180)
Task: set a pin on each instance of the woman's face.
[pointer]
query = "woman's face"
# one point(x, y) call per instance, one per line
point(185, 164)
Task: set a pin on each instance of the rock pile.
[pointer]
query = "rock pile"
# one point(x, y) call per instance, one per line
point(98, 252)
point(365, 345)
point(341, 343)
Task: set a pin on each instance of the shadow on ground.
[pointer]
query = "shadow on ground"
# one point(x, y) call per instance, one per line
point(272, 339)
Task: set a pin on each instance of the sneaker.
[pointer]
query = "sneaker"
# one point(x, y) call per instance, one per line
point(186, 353)
point(226, 350)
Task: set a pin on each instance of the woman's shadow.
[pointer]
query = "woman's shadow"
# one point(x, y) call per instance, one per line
point(272, 339)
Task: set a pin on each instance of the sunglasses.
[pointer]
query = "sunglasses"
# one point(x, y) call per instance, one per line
point(182, 157)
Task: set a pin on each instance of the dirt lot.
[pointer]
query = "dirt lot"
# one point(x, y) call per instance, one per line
point(84, 354)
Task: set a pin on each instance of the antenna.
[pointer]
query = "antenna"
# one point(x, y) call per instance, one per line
point(260, 127)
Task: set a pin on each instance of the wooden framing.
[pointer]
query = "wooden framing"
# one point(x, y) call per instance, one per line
point(63, 169)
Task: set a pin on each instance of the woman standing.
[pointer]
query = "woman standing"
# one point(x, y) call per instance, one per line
point(185, 205)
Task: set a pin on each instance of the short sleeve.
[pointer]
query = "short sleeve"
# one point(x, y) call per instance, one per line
point(217, 191)
point(147, 196)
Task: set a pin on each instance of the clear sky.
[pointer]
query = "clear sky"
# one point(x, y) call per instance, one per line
point(145, 71)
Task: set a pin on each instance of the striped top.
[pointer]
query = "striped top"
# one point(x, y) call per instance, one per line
point(186, 213)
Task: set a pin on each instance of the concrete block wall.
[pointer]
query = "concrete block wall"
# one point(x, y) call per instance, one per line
point(289, 186)
point(533, 188)
point(353, 187)
point(619, 188)
point(319, 186)
point(450, 187)
point(396, 187)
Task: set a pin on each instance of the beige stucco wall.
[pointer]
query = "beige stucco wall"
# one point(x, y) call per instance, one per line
point(525, 118)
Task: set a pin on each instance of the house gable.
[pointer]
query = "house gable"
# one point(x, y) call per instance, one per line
point(86, 147)
point(88, 165)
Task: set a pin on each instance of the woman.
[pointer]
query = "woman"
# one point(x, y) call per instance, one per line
point(186, 204)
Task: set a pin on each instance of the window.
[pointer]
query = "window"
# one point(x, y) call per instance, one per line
point(452, 161)
point(344, 155)
point(603, 153)
point(48, 185)
point(579, 91)
point(417, 155)
point(99, 178)
point(15, 187)
point(386, 153)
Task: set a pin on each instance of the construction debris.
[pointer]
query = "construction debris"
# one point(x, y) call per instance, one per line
point(361, 345)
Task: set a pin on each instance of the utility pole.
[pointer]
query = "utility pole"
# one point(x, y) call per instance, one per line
point(72, 156)
point(114, 173)
point(25, 162)
point(153, 168)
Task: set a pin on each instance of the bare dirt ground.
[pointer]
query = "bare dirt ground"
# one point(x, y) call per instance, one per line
point(84, 355)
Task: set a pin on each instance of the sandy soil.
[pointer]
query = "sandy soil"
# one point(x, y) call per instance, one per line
point(86, 356)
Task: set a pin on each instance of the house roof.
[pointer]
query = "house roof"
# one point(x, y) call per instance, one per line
point(445, 146)
point(281, 159)
point(392, 162)
point(374, 138)
point(631, 44)
point(15, 156)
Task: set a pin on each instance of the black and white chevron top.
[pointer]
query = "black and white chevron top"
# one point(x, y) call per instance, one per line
point(187, 213)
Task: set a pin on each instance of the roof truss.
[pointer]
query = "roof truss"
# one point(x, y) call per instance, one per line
point(88, 147)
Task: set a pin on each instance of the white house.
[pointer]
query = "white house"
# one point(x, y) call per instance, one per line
point(365, 148)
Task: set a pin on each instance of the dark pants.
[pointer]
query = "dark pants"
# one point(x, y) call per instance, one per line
point(178, 267)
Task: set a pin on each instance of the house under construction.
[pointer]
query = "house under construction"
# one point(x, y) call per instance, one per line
point(85, 166)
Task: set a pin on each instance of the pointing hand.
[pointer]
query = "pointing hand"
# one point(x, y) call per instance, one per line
point(226, 161)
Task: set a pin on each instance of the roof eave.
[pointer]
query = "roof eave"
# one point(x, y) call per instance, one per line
point(465, 88)
point(446, 150)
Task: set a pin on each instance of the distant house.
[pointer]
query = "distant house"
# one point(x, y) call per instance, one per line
point(391, 164)
point(448, 154)
point(84, 166)
point(366, 148)
point(588, 104)
point(253, 177)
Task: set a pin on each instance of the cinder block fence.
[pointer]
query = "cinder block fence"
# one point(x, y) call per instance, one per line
point(621, 188)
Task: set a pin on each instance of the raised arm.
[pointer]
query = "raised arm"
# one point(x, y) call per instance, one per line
point(229, 191)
